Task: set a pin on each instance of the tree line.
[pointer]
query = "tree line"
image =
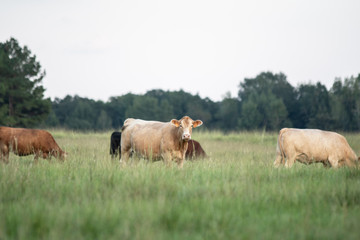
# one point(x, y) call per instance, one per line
point(267, 101)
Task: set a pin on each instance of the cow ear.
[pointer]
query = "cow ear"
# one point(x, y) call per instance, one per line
point(197, 123)
point(175, 122)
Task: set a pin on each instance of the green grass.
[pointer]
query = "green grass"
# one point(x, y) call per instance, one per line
point(234, 194)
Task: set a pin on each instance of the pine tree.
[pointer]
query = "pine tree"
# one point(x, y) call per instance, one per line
point(22, 101)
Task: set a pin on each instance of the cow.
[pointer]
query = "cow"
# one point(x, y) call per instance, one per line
point(313, 146)
point(157, 140)
point(25, 142)
point(194, 150)
point(115, 144)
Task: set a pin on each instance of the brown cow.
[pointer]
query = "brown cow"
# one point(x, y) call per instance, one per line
point(157, 140)
point(24, 142)
point(194, 150)
point(312, 145)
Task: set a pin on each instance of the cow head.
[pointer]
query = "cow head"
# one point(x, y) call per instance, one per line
point(63, 155)
point(185, 126)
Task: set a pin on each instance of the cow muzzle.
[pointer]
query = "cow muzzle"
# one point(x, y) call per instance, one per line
point(186, 137)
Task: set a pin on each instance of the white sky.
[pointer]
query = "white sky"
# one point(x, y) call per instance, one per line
point(99, 49)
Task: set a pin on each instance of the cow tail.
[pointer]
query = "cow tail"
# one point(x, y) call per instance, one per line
point(282, 151)
point(280, 145)
point(278, 149)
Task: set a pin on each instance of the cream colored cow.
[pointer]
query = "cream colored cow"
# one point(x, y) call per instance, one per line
point(157, 140)
point(312, 145)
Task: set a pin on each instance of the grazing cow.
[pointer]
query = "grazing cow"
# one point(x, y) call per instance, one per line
point(157, 140)
point(115, 144)
point(24, 142)
point(194, 150)
point(311, 145)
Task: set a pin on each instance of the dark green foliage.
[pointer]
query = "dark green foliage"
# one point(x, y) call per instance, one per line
point(263, 102)
point(116, 109)
point(147, 108)
point(345, 102)
point(264, 110)
point(79, 114)
point(315, 110)
point(266, 102)
point(269, 101)
point(22, 100)
point(228, 114)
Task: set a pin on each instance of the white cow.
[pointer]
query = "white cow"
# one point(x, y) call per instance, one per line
point(157, 140)
point(312, 145)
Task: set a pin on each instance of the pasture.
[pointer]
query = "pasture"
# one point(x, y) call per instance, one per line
point(234, 194)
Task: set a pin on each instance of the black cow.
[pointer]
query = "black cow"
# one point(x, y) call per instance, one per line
point(115, 141)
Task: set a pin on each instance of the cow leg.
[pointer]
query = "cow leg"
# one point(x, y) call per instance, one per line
point(125, 149)
point(4, 156)
point(113, 152)
point(326, 164)
point(180, 162)
point(278, 160)
point(167, 158)
point(4, 153)
point(46, 156)
point(36, 158)
point(179, 158)
point(125, 157)
point(114, 155)
point(117, 152)
point(290, 161)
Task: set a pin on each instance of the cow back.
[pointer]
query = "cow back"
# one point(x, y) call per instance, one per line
point(27, 141)
point(194, 150)
point(150, 138)
point(316, 144)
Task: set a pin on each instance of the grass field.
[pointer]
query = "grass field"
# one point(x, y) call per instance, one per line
point(234, 194)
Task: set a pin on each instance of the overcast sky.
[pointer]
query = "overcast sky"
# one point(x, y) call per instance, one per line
point(99, 49)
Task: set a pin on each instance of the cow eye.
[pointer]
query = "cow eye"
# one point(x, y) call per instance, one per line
point(180, 125)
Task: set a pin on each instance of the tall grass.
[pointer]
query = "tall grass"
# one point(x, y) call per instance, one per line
point(234, 194)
